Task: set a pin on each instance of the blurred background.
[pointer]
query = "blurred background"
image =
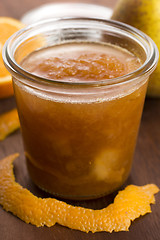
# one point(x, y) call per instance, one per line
point(18, 8)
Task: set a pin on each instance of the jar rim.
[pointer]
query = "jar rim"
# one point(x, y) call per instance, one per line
point(144, 70)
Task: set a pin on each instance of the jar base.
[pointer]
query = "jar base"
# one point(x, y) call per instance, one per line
point(60, 189)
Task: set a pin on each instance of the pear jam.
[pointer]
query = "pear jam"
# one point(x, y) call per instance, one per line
point(80, 146)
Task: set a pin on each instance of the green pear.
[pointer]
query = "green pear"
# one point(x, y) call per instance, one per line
point(144, 15)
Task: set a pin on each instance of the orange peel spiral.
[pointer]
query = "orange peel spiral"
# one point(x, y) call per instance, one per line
point(128, 205)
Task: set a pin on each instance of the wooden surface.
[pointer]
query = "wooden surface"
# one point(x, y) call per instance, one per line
point(146, 167)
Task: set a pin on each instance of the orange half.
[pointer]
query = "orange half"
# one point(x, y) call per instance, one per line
point(8, 26)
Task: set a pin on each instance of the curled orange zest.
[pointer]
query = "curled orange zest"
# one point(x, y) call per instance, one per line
point(128, 205)
point(9, 122)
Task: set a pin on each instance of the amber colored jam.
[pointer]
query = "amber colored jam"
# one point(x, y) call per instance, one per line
point(79, 147)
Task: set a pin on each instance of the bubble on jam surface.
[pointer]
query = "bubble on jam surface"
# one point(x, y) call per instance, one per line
point(132, 64)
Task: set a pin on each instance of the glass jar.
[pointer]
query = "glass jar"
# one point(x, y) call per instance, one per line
point(79, 138)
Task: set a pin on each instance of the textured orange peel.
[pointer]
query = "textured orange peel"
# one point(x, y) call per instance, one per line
point(128, 205)
point(9, 122)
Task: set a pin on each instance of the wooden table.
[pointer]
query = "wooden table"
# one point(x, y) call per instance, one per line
point(146, 167)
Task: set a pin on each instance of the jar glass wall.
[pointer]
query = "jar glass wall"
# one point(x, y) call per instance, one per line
point(79, 138)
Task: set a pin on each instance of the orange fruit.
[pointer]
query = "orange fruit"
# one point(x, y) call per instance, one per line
point(128, 205)
point(8, 26)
